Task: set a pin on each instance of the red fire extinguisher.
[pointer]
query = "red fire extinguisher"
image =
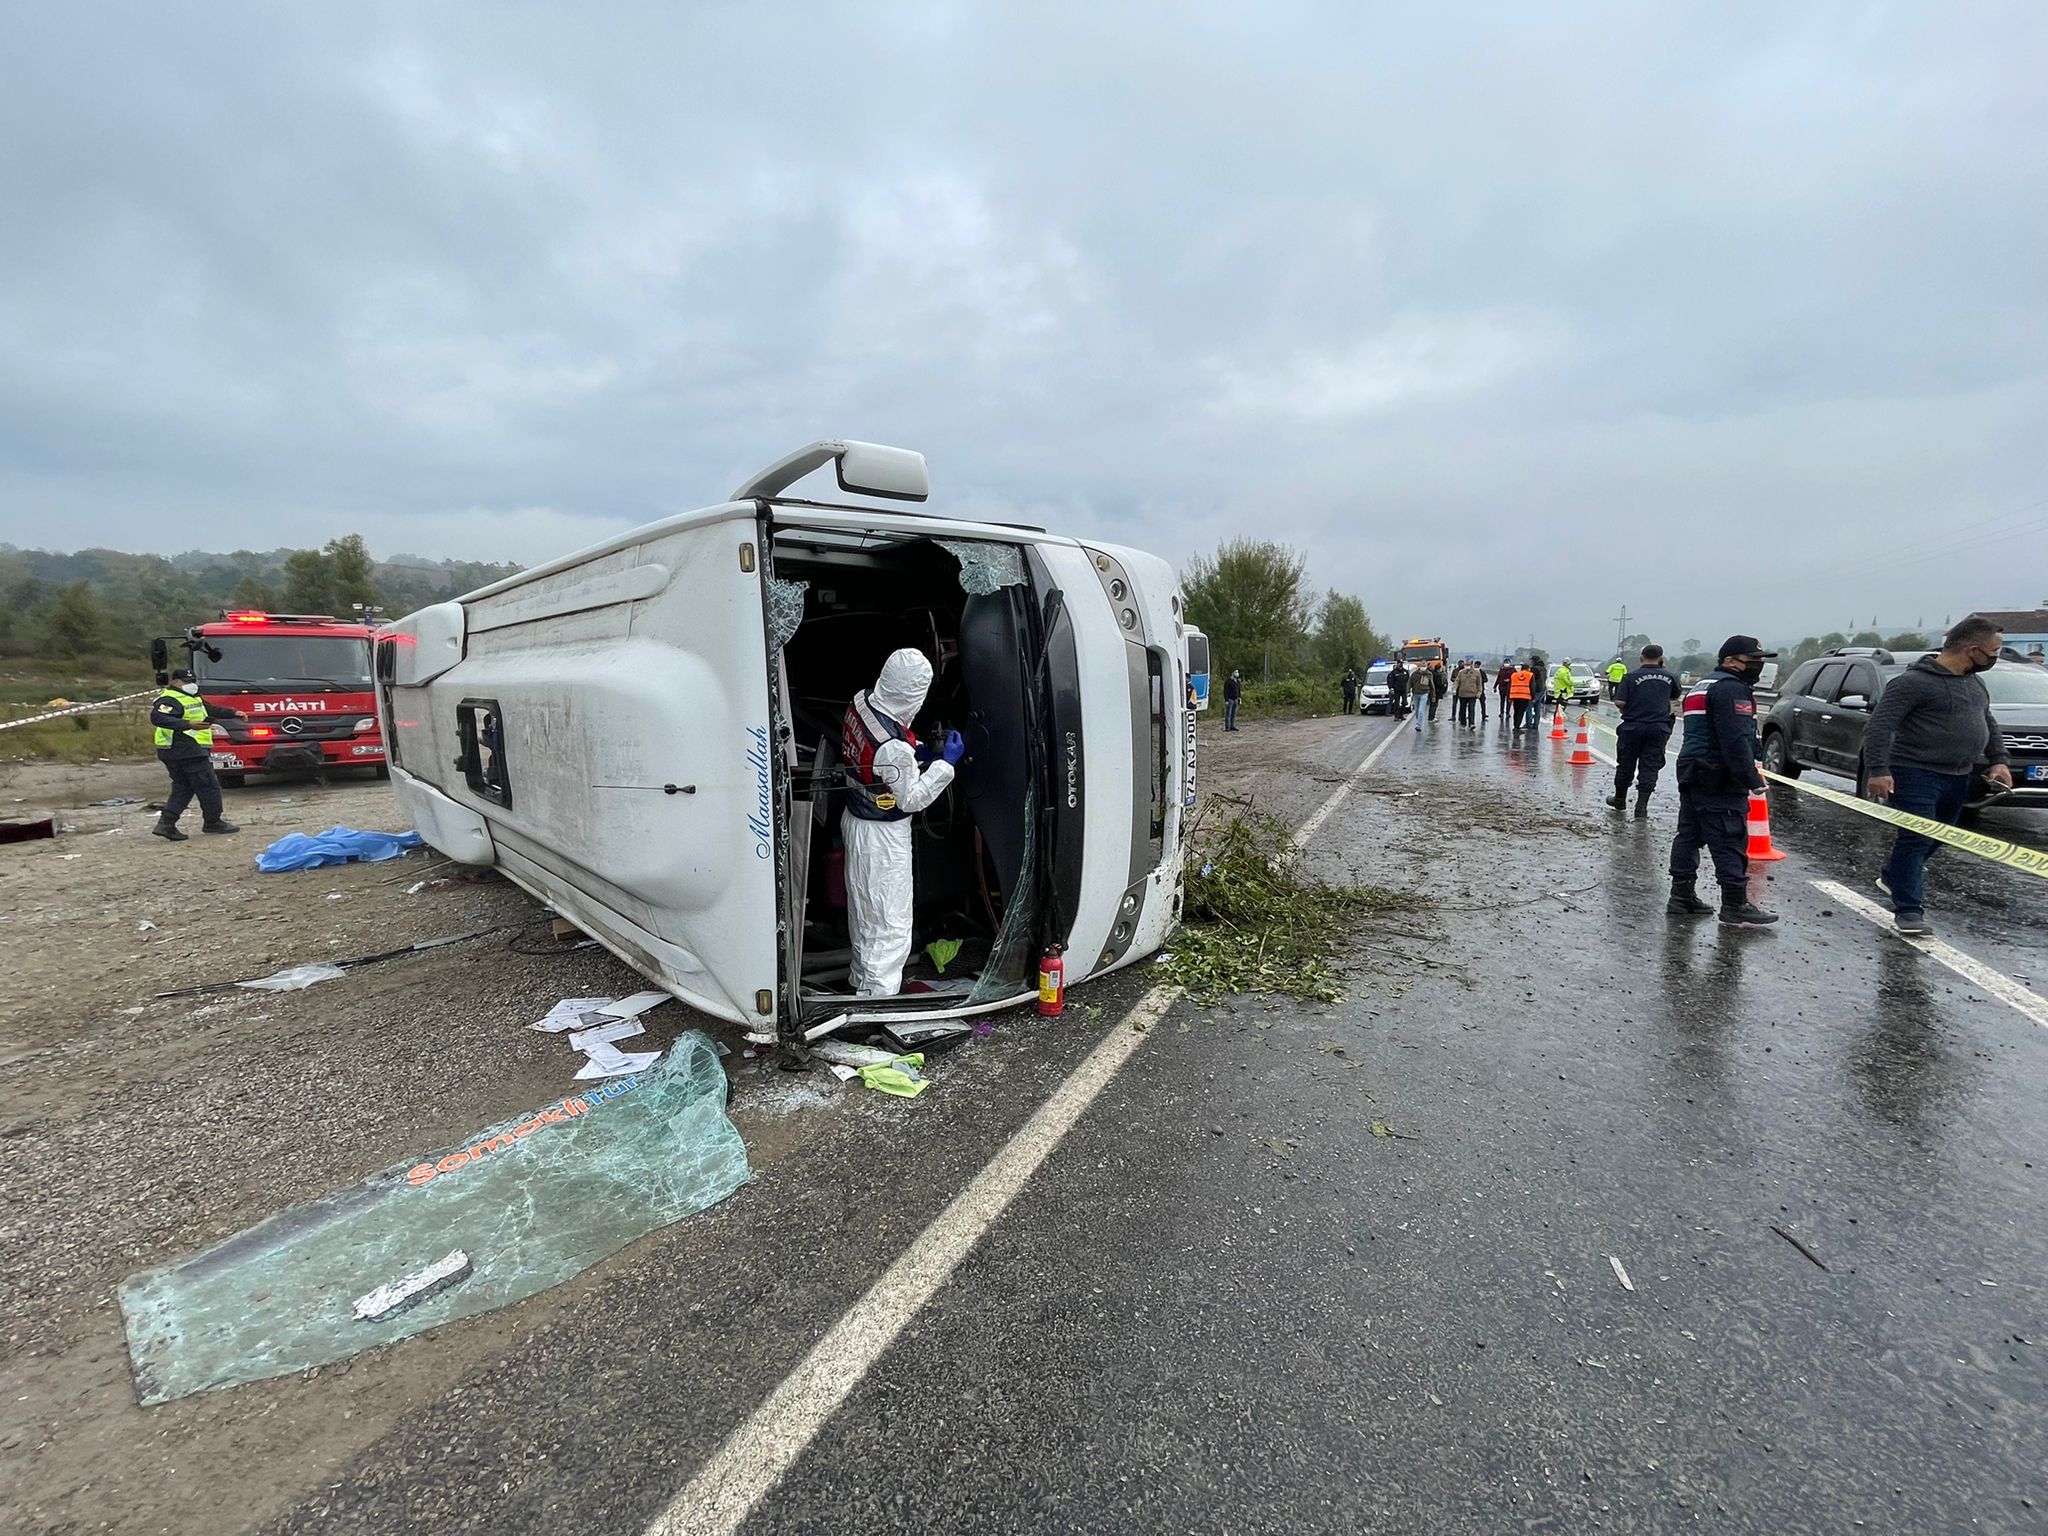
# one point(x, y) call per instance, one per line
point(1052, 984)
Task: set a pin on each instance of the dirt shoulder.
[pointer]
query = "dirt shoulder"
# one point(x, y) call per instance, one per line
point(137, 1128)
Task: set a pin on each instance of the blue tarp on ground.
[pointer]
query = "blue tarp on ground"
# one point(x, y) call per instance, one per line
point(532, 1201)
point(337, 845)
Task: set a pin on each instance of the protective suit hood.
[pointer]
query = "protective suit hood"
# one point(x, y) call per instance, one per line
point(900, 690)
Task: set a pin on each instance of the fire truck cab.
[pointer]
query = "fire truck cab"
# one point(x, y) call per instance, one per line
point(302, 680)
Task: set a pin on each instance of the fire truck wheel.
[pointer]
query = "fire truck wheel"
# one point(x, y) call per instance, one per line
point(229, 780)
point(383, 770)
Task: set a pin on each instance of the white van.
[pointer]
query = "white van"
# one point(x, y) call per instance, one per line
point(645, 736)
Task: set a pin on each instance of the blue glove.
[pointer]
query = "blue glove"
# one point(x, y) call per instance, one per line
point(955, 748)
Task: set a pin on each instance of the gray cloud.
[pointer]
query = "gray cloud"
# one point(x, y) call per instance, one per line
point(1505, 316)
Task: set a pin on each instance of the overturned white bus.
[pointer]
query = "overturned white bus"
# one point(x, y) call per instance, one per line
point(645, 735)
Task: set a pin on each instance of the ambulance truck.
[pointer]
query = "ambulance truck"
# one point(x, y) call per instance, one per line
point(645, 736)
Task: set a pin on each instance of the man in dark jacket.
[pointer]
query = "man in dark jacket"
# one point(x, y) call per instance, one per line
point(182, 724)
point(1350, 687)
point(1233, 692)
point(1397, 689)
point(1932, 726)
point(1716, 771)
point(1649, 703)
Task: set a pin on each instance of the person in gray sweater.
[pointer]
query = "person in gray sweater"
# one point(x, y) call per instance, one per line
point(1932, 726)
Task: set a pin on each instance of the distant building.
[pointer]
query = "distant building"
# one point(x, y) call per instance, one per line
point(2026, 629)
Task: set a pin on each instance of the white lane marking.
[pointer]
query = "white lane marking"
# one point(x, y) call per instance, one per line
point(1971, 969)
point(728, 1485)
point(1339, 795)
point(754, 1456)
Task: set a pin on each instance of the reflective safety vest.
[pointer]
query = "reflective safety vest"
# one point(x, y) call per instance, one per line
point(1519, 684)
point(1561, 681)
point(866, 728)
point(197, 725)
point(1616, 671)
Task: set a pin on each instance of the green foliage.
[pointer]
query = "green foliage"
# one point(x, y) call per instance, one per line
point(1867, 637)
point(308, 582)
point(1908, 640)
point(1344, 636)
point(348, 565)
point(1252, 923)
point(1313, 695)
point(1249, 600)
point(104, 606)
point(76, 621)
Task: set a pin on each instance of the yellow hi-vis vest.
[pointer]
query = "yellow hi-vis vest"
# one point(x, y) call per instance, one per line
point(197, 726)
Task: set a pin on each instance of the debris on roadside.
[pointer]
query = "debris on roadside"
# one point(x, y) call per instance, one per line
point(414, 1288)
point(1621, 1274)
point(530, 1202)
point(294, 978)
point(900, 1076)
point(1252, 922)
point(1811, 1256)
point(355, 963)
point(337, 845)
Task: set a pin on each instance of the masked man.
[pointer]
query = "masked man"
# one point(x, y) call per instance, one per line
point(885, 785)
point(182, 724)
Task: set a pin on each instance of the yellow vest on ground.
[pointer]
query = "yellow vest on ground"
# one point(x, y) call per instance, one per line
point(197, 725)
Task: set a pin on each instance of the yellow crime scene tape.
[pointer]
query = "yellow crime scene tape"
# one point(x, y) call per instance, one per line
point(77, 709)
point(2030, 861)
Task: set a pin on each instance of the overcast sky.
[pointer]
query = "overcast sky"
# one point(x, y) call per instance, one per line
point(1503, 315)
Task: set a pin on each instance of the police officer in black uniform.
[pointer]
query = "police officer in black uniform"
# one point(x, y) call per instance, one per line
point(1716, 771)
point(1649, 703)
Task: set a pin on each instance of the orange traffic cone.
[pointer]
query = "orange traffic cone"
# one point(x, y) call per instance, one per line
point(1582, 749)
point(1760, 827)
point(1557, 724)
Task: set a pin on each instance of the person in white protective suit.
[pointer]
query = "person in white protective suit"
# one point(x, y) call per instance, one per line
point(885, 786)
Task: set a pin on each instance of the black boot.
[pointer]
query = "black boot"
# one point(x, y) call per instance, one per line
point(1685, 901)
point(1619, 799)
point(1642, 805)
point(168, 830)
point(220, 826)
point(1738, 912)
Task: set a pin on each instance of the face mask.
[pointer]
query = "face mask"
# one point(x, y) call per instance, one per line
point(1983, 666)
point(1751, 670)
point(189, 687)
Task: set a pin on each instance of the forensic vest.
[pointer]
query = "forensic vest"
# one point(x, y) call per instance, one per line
point(197, 726)
point(863, 731)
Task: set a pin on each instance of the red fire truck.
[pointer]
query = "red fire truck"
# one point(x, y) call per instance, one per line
point(301, 679)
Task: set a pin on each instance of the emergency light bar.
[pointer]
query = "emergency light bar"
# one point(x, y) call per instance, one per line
point(250, 616)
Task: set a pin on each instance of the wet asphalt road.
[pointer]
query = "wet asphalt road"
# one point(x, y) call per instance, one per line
point(1225, 1304)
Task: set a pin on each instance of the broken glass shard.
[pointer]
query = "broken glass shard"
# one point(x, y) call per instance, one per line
point(530, 1202)
point(985, 567)
point(785, 601)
